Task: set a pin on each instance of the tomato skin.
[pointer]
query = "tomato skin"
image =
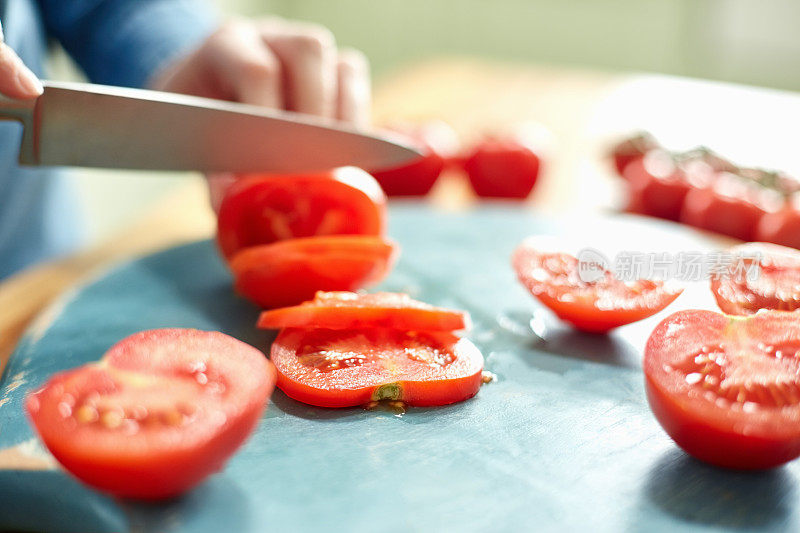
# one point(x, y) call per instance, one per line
point(387, 372)
point(437, 142)
point(777, 285)
point(154, 461)
point(631, 149)
point(727, 207)
point(502, 168)
point(261, 209)
point(349, 310)
point(290, 272)
point(780, 227)
point(552, 278)
point(657, 188)
point(756, 438)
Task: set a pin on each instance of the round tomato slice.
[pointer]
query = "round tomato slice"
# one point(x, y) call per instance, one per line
point(761, 276)
point(160, 412)
point(350, 310)
point(727, 389)
point(344, 368)
point(290, 272)
point(262, 209)
point(595, 306)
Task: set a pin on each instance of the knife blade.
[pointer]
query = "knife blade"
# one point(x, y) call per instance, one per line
point(86, 125)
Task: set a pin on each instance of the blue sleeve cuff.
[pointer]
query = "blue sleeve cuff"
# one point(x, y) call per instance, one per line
point(124, 42)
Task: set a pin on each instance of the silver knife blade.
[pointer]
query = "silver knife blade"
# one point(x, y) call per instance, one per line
point(85, 125)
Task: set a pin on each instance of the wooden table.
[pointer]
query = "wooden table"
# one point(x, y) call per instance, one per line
point(583, 110)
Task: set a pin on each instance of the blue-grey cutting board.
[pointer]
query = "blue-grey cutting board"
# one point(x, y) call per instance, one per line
point(563, 440)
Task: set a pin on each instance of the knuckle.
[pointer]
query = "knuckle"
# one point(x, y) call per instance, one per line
point(261, 70)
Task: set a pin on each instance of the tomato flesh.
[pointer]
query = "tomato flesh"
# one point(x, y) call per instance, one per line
point(290, 272)
point(597, 306)
point(261, 209)
point(727, 389)
point(349, 310)
point(159, 413)
point(344, 368)
point(774, 285)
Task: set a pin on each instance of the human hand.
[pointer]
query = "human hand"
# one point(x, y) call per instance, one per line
point(273, 63)
point(16, 80)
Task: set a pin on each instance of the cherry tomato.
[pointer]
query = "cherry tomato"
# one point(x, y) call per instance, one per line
point(594, 306)
point(632, 149)
point(350, 310)
point(343, 368)
point(657, 186)
point(731, 206)
point(437, 142)
point(780, 227)
point(290, 272)
point(262, 209)
point(160, 412)
point(503, 167)
point(761, 276)
point(727, 389)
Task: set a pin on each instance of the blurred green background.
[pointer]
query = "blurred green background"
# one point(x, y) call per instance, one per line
point(746, 41)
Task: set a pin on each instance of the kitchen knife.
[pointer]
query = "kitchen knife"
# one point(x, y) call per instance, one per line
point(84, 125)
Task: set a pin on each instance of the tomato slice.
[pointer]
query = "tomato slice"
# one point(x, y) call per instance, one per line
point(262, 209)
point(727, 389)
point(350, 310)
point(161, 411)
point(597, 306)
point(290, 272)
point(763, 276)
point(344, 368)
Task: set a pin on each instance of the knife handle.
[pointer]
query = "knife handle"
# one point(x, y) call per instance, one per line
point(23, 112)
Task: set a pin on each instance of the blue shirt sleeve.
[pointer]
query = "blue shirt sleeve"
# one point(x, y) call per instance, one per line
point(124, 42)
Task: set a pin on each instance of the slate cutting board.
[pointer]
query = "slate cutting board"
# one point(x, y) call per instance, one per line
point(563, 440)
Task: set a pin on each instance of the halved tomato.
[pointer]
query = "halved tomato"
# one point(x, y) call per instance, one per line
point(727, 389)
point(761, 276)
point(262, 209)
point(290, 272)
point(350, 310)
point(595, 306)
point(160, 412)
point(343, 368)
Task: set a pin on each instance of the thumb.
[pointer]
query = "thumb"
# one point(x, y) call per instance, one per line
point(16, 80)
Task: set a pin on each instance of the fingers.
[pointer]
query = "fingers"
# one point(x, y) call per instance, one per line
point(16, 80)
point(245, 67)
point(353, 93)
point(308, 57)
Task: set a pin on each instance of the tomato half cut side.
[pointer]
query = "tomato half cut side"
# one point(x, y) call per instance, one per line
point(727, 389)
point(597, 306)
point(160, 412)
point(345, 368)
point(261, 209)
point(290, 272)
point(350, 310)
point(762, 276)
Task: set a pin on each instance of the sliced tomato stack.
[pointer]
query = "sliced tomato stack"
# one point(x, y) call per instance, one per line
point(286, 237)
point(345, 349)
